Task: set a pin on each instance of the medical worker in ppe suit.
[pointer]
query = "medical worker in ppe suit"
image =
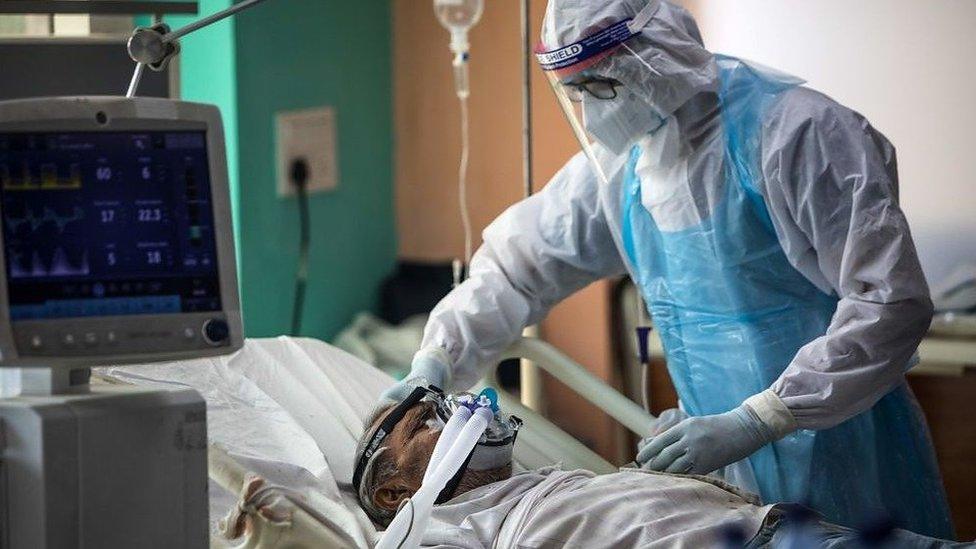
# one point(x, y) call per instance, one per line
point(760, 220)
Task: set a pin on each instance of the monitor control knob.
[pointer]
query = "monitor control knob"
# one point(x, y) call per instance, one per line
point(216, 331)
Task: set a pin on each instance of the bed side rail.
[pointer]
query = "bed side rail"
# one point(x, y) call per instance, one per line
point(584, 383)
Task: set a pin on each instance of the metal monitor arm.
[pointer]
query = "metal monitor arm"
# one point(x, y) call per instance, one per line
point(155, 46)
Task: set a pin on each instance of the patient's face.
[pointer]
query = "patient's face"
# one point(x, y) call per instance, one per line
point(411, 443)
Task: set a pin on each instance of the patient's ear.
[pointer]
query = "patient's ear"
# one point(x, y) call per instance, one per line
point(391, 493)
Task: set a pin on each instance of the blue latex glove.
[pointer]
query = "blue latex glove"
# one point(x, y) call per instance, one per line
point(429, 367)
point(700, 445)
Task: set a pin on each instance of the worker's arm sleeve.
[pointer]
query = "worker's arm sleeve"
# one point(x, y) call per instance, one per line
point(536, 253)
point(832, 188)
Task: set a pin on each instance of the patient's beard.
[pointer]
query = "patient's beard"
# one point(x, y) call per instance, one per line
point(475, 479)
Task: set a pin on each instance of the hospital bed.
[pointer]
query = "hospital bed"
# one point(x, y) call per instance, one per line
point(284, 416)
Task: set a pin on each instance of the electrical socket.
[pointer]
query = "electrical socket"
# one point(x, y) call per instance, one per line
point(308, 134)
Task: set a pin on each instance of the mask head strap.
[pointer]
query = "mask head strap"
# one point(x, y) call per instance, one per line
point(385, 428)
point(448, 492)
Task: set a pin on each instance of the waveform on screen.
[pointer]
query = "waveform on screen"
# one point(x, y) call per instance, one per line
point(47, 177)
point(48, 215)
point(58, 264)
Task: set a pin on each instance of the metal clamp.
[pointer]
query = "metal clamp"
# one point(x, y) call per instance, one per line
point(148, 46)
point(155, 46)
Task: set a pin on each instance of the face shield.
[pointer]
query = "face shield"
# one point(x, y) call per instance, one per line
point(603, 99)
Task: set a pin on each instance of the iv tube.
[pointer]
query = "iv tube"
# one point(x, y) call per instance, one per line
point(458, 16)
point(463, 184)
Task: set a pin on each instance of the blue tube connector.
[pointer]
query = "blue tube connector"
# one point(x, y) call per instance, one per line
point(491, 395)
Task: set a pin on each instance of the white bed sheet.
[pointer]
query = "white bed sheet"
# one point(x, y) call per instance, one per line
point(289, 409)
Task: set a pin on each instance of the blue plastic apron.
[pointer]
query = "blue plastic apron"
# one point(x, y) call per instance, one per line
point(732, 313)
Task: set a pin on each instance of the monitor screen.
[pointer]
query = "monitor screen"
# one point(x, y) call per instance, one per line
point(107, 223)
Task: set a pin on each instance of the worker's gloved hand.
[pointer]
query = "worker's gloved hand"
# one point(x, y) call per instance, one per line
point(700, 445)
point(430, 366)
point(664, 421)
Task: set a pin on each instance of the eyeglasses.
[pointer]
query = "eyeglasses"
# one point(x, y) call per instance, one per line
point(596, 86)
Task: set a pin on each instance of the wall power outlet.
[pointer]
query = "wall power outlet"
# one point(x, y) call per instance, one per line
point(308, 134)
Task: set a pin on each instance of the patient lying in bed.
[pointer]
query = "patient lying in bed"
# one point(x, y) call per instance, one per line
point(554, 508)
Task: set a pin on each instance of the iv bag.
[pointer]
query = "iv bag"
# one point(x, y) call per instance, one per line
point(458, 16)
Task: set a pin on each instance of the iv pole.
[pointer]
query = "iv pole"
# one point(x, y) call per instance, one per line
point(526, 99)
point(154, 46)
point(530, 377)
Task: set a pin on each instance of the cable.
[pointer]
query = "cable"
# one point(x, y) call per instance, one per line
point(463, 182)
point(645, 401)
point(299, 178)
point(643, 350)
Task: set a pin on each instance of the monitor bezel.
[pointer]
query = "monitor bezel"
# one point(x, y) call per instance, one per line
point(120, 114)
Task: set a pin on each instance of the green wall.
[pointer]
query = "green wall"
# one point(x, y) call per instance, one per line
point(293, 54)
